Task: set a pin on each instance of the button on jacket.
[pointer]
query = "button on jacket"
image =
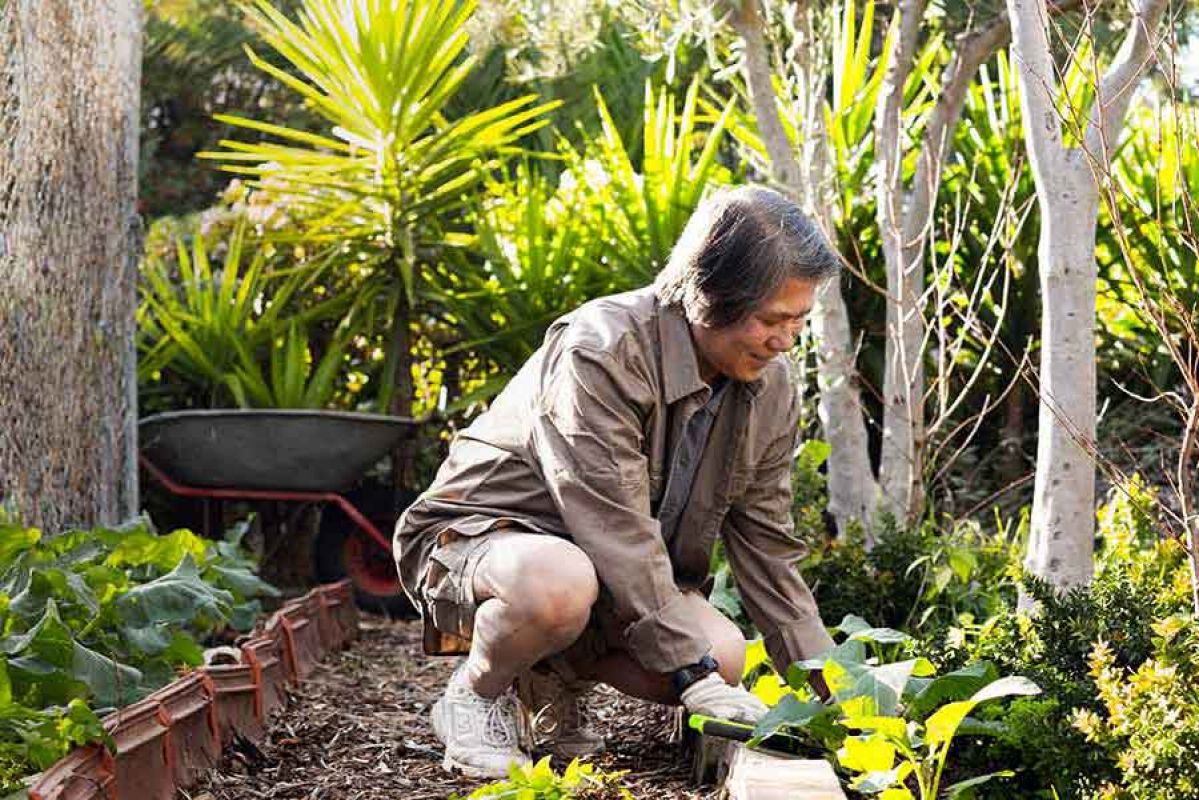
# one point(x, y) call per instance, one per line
point(579, 445)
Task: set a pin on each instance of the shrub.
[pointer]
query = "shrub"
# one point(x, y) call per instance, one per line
point(1140, 583)
point(1149, 721)
point(101, 618)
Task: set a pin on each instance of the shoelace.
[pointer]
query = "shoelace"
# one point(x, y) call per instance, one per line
point(565, 714)
point(499, 728)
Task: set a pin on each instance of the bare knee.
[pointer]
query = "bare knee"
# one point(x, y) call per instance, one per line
point(551, 584)
point(561, 589)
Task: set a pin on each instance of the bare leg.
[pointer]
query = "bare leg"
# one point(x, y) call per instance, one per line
point(620, 670)
point(534, 596)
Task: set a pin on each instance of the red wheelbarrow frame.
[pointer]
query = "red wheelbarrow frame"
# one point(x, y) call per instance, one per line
point(345, 505)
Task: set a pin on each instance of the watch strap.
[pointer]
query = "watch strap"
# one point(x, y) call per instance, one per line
point(681, 679)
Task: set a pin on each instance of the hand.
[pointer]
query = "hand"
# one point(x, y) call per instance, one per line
point(712, 697)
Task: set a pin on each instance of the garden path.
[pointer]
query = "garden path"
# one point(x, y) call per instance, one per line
point(358, 729)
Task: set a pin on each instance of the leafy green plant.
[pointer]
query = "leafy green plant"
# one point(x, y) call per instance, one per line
point(1149, 721)
point(204, 324)
point(648, 207)
point(606, 226)
point(1140, 581)
point(890, 723)
point(390, 174)
point(102, 617)
point(540, 782)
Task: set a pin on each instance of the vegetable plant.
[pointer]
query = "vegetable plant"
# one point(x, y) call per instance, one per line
point(890, 723)
point(540, 782)
point(96, 619)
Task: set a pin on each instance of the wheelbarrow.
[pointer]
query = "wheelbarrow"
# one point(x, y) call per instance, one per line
point(292, 456)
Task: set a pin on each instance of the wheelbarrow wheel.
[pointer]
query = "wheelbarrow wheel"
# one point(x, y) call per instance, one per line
point(343, 550)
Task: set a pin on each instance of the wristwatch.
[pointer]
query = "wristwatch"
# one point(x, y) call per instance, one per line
point(685, 676)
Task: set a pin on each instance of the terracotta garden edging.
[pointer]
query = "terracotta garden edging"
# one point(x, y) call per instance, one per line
point(166, 741)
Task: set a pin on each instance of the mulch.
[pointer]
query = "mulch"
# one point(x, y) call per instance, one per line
point(359, 729)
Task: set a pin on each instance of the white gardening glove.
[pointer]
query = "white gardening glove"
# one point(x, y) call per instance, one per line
point(712, 697)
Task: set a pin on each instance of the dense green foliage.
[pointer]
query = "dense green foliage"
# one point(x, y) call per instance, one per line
point(377, 247)
point(97, 619)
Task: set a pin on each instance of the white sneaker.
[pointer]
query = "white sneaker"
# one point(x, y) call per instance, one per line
point(479, 733)
point(553, 717)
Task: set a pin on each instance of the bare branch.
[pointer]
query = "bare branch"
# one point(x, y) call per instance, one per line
point(1116, 89)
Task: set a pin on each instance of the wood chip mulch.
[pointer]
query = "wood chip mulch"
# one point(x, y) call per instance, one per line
point(359, 729)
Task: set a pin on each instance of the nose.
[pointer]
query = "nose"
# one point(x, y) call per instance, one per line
point(782, 341)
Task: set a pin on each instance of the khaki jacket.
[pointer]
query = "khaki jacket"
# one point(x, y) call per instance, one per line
point(578, 445)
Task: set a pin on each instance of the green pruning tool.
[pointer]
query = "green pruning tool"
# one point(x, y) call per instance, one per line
point(740, 732)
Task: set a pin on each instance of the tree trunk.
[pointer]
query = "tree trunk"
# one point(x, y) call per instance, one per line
point(901, 461)
point(1061, 546)
point(69, 88)
point(853, 492)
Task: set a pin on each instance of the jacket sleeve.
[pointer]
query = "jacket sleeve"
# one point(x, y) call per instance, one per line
point(587, 436)
point(759, 537)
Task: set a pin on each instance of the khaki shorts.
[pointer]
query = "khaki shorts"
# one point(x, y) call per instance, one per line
point(447, 597)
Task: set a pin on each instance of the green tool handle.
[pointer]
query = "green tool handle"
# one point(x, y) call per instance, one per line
point(740, 732)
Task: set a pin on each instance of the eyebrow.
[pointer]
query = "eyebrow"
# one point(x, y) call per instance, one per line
point(785, 315)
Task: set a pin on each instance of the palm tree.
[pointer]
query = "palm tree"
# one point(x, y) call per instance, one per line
point(392, 174)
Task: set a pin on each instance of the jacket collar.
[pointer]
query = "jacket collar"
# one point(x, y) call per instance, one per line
point(680, 362)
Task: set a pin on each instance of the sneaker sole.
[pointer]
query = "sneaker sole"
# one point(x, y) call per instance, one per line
point(453, 766)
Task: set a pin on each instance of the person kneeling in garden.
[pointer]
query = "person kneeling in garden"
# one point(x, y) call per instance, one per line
point(566, 538)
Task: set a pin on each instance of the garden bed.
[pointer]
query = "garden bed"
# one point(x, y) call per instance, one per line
point(358, 728)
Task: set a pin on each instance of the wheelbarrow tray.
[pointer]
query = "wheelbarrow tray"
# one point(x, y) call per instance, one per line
point(271, 449)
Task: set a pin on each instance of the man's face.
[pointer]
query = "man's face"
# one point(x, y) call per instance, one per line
point(742, 351)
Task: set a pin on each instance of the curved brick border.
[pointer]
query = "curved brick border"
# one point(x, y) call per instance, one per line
point(166, 741)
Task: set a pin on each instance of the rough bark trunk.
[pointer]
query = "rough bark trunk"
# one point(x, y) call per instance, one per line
point(1060, 547)
point(69, 235)
point(853, 492)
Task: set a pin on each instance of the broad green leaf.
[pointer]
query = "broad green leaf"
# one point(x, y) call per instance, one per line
point(884, 685)
point(851, 651)
point(150, 640)
point(851, 624)
point(164, 552)
point(957, 685)
point(770, 690)
point(755, 656)
point(179, 596)
point(944, 722)
point(47, 654)
point(15, 540)
point(871, 754)
point(790, 711)
point(956, 789)
point(894, 727)
point(880, 636)
point(241, 581)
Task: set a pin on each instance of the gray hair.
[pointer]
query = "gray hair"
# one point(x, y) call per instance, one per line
point(737, 249)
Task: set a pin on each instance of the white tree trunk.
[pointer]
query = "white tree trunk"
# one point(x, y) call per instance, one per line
point(901, 461)
point(1060, 548)
point(69, 88)
point(853, 492)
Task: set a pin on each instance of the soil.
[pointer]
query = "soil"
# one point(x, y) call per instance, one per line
point(359, 729)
